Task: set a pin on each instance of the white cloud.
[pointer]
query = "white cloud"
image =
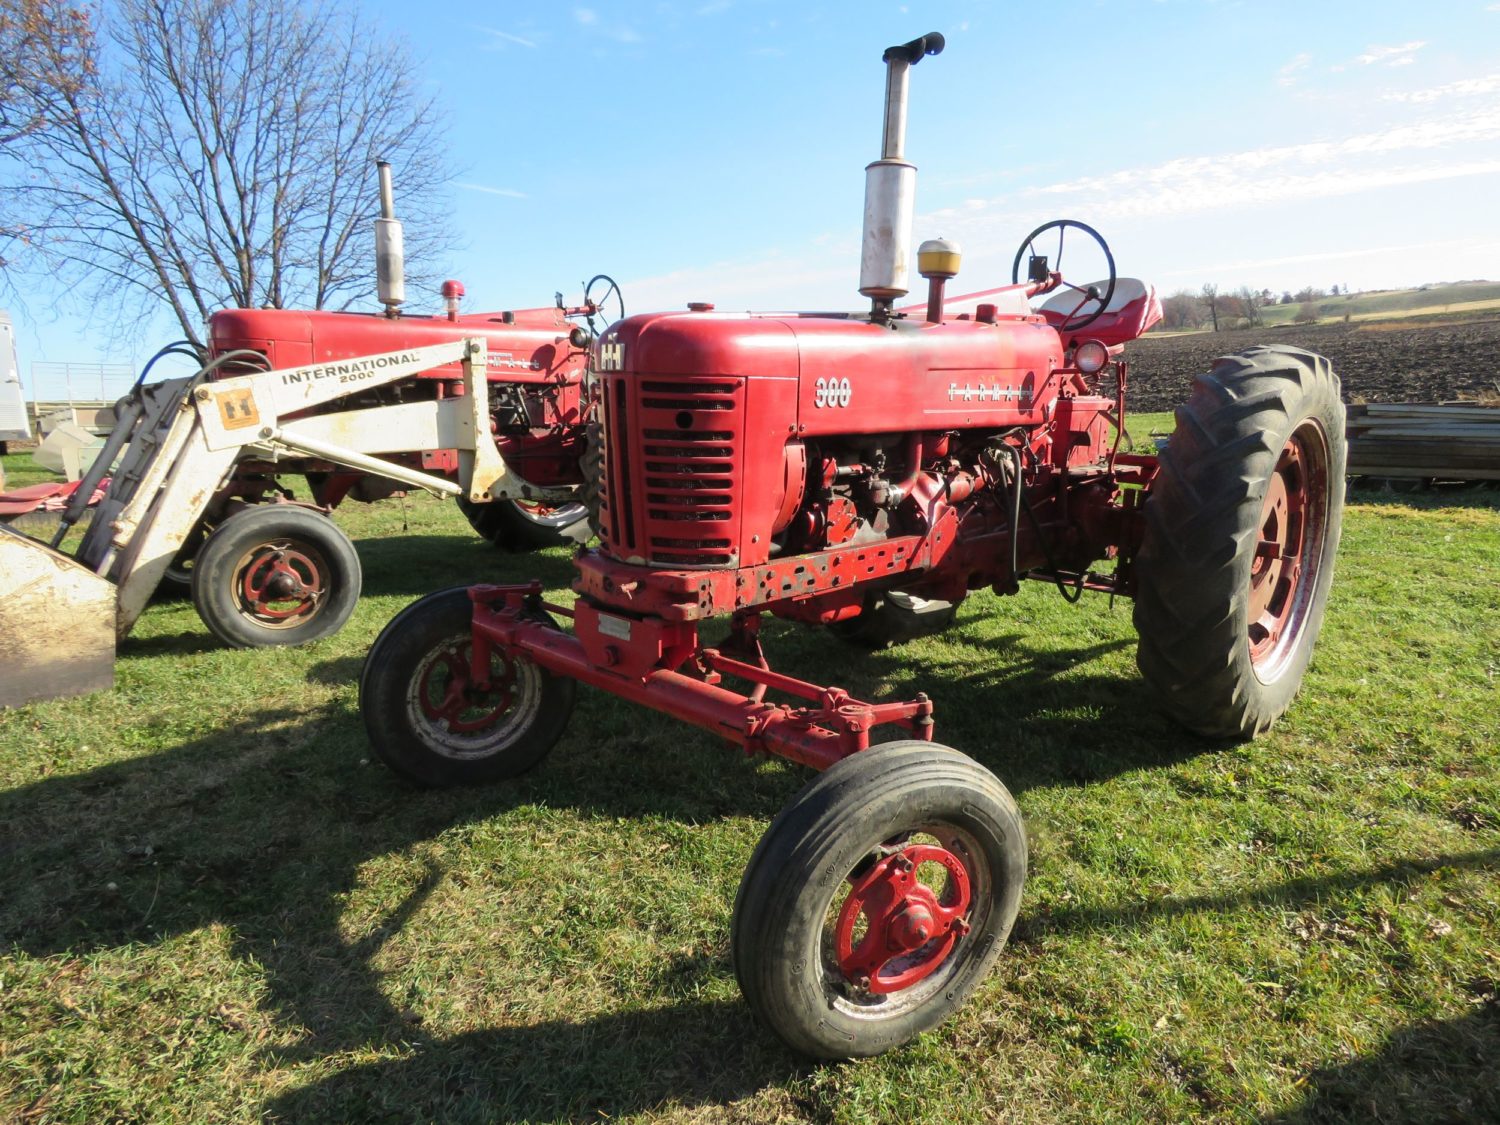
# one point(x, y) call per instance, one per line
point(1468, 87)
point(503, 37)
point(507, 192)
point(1392, 56)
point(714, 8)
point(1245, 265)
point(620, 33)
point(1404, 154)
point(1287, 75)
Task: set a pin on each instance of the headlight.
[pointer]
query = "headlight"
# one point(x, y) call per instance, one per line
point(1090, 357)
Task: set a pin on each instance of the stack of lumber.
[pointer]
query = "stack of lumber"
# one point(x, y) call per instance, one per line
point(1427, 440)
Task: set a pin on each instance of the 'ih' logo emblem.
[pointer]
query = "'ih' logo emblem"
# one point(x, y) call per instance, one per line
point(237, 409)
point(611, 356)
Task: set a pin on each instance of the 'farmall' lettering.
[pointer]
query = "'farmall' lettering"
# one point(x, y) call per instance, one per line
point(994, 392)
point(507, 362)
point(348, 371)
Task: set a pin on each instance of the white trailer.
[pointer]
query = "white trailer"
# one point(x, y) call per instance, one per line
point(14, 423)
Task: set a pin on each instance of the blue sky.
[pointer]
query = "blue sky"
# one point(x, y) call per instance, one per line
point(714, 149)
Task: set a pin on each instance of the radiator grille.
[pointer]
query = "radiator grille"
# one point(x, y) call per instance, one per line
point(672, 452)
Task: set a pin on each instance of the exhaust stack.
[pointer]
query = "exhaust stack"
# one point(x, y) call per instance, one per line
point(390, 256)
point(891, 186)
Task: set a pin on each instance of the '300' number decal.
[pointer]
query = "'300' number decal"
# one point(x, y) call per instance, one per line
point(831, 392)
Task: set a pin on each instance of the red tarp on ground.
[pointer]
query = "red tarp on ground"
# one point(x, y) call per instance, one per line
point(50, 497)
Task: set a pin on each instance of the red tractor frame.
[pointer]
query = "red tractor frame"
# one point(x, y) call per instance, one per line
point(865, 472)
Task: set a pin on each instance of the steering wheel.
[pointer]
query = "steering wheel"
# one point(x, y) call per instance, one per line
point(1037, 270)
point(610, 289)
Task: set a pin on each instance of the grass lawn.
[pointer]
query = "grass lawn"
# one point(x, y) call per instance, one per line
point(214, 907)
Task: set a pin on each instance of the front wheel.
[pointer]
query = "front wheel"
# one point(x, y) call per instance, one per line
point(1241, 530)
point(429, 721)
point(878, 899)
point(275, 574)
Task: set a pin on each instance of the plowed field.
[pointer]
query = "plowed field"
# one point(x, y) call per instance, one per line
point(1388, 361)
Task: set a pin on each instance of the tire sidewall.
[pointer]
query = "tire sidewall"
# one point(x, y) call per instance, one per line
point(396, 658)
point(213, 575)
point(791, 931)
point(1203, 523)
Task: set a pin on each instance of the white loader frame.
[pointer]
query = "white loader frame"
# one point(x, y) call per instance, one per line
point(60, 617)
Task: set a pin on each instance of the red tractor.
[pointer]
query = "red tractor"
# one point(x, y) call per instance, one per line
point(262, 571)
point(865, 472)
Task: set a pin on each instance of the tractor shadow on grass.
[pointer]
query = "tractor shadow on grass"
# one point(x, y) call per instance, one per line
point(1035, 925)
point(1436, 1070)
point(419, 564)
point(1036, 714)
point(263, 828)
point(696, 1053)
point(691, 1054)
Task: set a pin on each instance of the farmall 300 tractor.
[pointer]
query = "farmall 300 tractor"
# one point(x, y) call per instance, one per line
point(855, 470)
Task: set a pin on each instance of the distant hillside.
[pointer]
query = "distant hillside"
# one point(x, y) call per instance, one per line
point(1451, 298)
point(1461, 296)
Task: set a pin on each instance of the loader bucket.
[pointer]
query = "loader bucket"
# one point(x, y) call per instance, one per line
point(57, 624)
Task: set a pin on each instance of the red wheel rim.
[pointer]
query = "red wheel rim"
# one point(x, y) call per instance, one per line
point(281, 583)
point(1288, 551)
point(902, 918)
point(458, 714)
point(448, 697)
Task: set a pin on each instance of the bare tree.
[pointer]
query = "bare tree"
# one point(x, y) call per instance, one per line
point(1181, 310)
point(46, 49)
point(222, 155)
point(1250, 303)
point(1210, 298)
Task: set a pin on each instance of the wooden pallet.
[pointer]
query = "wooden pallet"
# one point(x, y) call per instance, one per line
point(1424, 440)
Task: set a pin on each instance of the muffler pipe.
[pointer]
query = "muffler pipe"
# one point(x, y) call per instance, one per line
point(891, 186)
point(390, 255)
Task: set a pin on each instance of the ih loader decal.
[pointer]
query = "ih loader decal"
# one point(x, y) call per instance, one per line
point(237, 408)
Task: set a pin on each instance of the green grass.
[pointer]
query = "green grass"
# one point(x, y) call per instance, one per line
point(214, 907)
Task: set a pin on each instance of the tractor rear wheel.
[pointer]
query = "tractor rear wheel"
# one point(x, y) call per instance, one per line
point(878, 899)
point(275, 574)
point(1241, 529)
point(519, 525)
point(426, 718)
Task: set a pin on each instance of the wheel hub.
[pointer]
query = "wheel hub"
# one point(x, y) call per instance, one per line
point(281, 583)
point(450, 696)
point(902, 918)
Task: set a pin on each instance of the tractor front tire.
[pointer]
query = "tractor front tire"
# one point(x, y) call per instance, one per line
point(516, 525)
point(879, 899)
point(275, 574)
point(427, 721)
point(1242, 525)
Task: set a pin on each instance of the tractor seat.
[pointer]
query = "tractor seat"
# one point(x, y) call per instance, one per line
point(1133, 308)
